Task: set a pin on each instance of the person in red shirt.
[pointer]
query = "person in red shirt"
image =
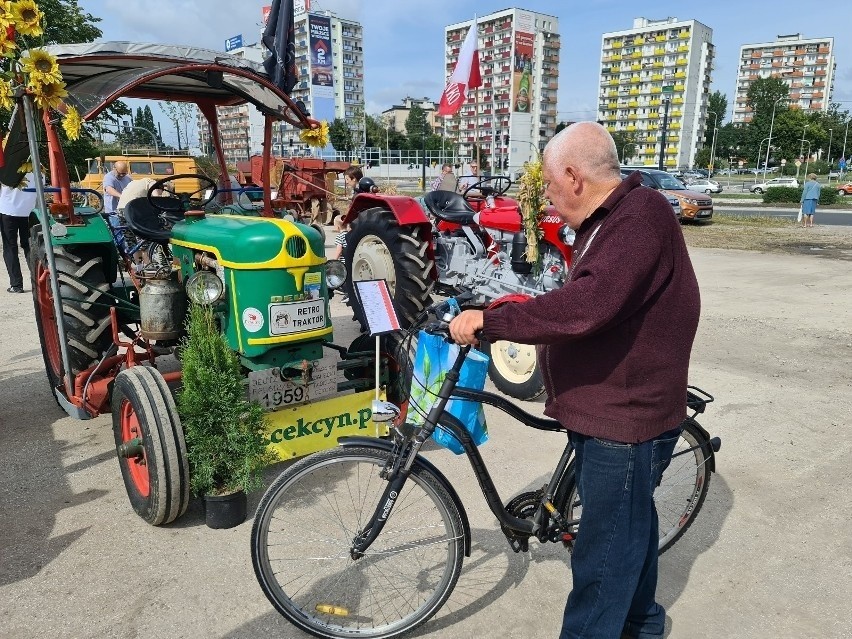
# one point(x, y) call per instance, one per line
point(615, 371)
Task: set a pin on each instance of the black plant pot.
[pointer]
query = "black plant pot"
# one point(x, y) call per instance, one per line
point(225, 511)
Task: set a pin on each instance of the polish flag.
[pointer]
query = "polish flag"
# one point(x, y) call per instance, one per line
point(465, 76)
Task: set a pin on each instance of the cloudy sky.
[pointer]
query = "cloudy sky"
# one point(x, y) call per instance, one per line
point(403, 41)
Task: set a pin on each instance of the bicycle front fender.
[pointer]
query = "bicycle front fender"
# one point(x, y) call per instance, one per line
point(383, 444)
point(711, 456)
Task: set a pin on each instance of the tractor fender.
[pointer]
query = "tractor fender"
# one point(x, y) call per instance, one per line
point(383, 444)
point(405, 209)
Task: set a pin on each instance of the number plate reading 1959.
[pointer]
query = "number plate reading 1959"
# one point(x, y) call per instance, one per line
point(273, 392)
point(296, 317)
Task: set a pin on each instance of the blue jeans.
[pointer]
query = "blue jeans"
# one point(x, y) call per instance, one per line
point(614, 563)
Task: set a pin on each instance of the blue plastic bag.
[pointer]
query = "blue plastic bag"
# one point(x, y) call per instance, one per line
point(434, 357)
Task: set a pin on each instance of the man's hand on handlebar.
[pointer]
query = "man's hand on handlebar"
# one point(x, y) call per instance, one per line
point(464, 326)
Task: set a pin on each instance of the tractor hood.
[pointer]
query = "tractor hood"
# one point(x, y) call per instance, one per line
point(242, 242)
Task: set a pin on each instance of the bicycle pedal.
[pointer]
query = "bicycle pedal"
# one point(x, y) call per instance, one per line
point(519, 545)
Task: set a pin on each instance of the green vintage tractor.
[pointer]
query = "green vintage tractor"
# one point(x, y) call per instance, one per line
point(111, 292)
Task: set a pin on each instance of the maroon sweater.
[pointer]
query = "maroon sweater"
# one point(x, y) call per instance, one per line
point(617, 336)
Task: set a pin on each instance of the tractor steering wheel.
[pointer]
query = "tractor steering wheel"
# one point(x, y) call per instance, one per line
point(486, 188)
point(176, 202)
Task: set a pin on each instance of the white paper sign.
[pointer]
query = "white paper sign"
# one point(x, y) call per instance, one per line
point(378, 306)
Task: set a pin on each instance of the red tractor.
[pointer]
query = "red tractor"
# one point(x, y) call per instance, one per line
point(453, 243)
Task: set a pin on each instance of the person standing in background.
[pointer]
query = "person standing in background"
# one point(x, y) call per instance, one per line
point(114, 183)
point(15, 208)
point(810, 197)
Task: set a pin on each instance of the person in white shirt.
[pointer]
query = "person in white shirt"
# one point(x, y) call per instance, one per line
point(135, 189)
point(15, 208)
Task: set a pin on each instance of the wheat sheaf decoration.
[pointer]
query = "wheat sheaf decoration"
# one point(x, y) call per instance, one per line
point(532, 204)
point(29, 67)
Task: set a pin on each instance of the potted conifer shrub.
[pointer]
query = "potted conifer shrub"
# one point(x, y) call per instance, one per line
point(226, 446)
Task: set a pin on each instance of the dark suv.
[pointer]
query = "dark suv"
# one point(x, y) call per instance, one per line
point(693, 205)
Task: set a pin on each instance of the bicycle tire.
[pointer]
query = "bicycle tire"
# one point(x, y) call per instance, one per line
point(403, 579)
point(679, 495)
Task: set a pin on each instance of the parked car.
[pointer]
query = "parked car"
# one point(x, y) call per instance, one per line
point(705, 186)
point(844, 189)
point(761, 187)
point(726, 172)
point(693, 205)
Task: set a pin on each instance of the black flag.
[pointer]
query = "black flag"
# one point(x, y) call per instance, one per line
point(279, 38)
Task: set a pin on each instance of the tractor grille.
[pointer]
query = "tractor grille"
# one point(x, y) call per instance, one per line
point(296, 246)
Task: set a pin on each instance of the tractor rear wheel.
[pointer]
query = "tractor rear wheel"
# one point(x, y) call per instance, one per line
point(150, 444)
point(378, 248)
point(514, 369)
point(85, 306)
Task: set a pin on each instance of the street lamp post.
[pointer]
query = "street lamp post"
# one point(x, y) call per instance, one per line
point(771, 125)
point(845, 135)
point(713, 143)
point(801, 147)
point(807, 159)
point(759, 147)
point(624, 150)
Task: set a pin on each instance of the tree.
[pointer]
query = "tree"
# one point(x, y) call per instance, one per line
point(379, 135)
point(624, 139)
point(66, 23)
point(416, 126)
point(560, 126)
point(762, 95)
point(341, 137)
point(717, 104)
point(181, 114)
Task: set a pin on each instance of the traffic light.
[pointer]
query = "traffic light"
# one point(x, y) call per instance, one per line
point(506, 140)
point(505, 163)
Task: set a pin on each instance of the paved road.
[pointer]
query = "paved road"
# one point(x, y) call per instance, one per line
point(768, 558)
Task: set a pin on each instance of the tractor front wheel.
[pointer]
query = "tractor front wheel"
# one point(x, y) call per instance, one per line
point(150, 444)
point(514, 369)
point(378, 248)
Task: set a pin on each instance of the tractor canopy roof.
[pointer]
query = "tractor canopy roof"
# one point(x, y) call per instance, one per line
point(99, 73)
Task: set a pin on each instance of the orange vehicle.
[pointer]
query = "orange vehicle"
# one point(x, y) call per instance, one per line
point(844, 189)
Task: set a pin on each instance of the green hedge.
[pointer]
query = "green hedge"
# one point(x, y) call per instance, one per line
point(788, 194)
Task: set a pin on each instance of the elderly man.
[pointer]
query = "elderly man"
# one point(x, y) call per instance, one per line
point(114, 183)
point(468, 181)
point(622, 398)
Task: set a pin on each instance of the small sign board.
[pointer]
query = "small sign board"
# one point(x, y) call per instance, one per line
point(274, 391)
point(669, 88)
point(236, 42)
point(798, 163)
point(783, 161)
point(378, 307)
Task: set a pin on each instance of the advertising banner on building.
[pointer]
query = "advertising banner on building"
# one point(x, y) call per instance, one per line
point(322, 79)
point(264, 14)
point(522, 79)
point(301, 6)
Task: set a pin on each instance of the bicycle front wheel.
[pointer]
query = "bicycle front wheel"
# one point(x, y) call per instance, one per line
point(680, 493)
point(303, 533)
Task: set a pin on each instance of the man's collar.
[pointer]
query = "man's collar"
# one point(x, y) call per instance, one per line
point(628, 184)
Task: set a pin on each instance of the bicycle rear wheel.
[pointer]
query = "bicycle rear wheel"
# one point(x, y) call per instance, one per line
point(303, 533)
point(680, 493)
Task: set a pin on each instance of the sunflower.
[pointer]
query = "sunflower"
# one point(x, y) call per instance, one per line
point(6, 101)
point(41, 66)
point(27, 17)
point(48, 95)
point(317, 136)
point(72, 123)
point(6, 18)
point(26, 167)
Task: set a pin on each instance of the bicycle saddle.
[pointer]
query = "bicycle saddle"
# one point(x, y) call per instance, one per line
point(144, 219)
point(449, 206)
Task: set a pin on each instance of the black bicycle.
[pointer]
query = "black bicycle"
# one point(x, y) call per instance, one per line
point(368, 539)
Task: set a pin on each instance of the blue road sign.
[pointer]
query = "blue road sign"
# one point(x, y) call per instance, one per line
point(234, 43)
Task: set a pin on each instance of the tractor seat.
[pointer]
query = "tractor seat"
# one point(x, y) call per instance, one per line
point(148, 222)
point(449, 206)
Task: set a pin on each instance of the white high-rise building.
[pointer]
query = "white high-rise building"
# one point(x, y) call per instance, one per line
point(513, 114)
point(806, 64)
point(642, 69)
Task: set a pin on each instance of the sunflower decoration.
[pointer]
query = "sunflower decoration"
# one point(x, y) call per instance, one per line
point(41, 67)
point(49, 95)
point(6, 101)
point(27, 18)
point(72, 123)
point(8, 46)
point(317, 136)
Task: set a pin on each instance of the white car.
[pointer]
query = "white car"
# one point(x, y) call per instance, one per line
point(703, 185)
point(779, 181)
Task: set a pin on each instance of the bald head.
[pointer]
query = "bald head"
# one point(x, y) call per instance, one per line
point(120, 166)
point(587, 146)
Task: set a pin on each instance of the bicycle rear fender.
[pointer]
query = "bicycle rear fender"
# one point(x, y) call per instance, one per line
point(382, 444)
point(711, 456)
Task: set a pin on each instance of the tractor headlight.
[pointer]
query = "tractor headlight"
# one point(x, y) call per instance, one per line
point(205, 288)
point(335, 274)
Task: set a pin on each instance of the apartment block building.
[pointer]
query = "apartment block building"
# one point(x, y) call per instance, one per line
point(330, 64)
point(513, 114)
point(806, 64)
point(396, 116)
point(647, 66)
